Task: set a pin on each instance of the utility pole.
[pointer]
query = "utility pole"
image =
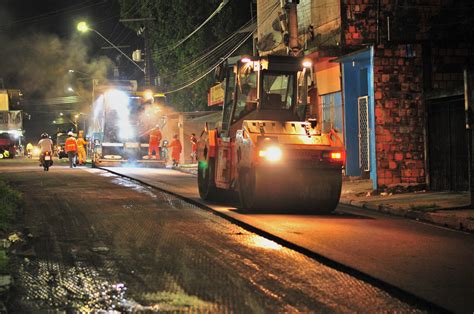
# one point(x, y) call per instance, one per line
point(148, 63)
point(292, 15)
point(146, 36)
point(468, 107)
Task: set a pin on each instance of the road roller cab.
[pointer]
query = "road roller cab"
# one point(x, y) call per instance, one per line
point(264, 149)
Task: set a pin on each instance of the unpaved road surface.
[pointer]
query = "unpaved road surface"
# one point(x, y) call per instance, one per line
point(101, 242)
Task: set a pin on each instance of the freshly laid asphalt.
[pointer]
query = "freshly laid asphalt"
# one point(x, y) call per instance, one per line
point(95, 241)
point(428, 261)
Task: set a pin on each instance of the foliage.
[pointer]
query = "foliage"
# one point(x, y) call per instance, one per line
point(3, 261)
point(174, 20)
point(10, 200)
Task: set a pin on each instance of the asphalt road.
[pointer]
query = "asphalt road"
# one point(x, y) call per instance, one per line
point(433, 263)
point(95, 241)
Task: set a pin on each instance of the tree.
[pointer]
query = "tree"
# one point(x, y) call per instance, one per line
point(174, 20)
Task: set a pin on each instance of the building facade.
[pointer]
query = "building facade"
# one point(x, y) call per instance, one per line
point(389, 77)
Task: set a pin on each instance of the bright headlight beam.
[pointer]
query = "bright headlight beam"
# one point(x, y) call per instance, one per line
point(271, 153)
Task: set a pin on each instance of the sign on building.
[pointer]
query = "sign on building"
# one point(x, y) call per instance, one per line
point(215, 96)
point(4, 100)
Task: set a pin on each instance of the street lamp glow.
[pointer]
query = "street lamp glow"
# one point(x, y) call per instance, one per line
point(82, 27)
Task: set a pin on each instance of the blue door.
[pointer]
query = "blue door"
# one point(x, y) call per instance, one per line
point(357, 80)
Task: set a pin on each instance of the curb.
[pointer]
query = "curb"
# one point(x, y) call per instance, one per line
point(436, 218)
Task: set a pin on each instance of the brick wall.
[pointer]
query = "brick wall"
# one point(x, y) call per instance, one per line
point(398, 87)
point(448, 61)
point(399, 115)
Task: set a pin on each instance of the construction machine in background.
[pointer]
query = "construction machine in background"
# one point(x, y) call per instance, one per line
point(264, 148)
point(120, 119)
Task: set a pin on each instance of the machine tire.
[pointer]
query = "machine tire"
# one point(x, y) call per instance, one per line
point(207, 187)
point(255, 186)
point(247, 190)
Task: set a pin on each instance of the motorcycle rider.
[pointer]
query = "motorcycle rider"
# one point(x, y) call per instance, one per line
point(45, 145)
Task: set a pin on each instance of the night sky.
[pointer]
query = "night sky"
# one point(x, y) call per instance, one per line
point(42, 42)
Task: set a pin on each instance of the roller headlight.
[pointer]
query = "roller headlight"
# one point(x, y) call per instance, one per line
point(271, 153)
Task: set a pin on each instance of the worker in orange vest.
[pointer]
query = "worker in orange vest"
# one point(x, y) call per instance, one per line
point(193, 140)
point(177, 148)
point(71, 149)
point(154, 142)
point(81, 150)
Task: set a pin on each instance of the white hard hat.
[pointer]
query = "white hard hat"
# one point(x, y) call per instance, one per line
point(70, 133)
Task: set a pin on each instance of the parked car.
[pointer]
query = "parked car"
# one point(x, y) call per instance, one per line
point(7, 146)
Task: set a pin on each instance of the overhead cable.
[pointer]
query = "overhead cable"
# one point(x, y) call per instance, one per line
point(227, 55)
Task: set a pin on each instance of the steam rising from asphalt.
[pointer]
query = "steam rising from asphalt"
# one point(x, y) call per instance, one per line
point(39, 64)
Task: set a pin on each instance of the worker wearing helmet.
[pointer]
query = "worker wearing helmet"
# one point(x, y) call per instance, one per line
point(154, 141)
point(176, 150)
point(71, 149)
point(81, 150)
point(45, 144)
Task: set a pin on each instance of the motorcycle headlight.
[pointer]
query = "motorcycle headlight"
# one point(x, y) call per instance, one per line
point(271, 153)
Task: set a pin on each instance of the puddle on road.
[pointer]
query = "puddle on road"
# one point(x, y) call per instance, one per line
point(53, 285)
point(82, 289)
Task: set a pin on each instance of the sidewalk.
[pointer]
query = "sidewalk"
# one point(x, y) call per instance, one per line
point(449, 209)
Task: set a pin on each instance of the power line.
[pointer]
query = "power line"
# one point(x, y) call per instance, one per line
point(217, 50)
point(220, 48)
point(227, 55)
point(180, 42)
point(67, 10)
point(221, 6)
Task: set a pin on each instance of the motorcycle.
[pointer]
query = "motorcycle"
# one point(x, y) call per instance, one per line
point(46, 160)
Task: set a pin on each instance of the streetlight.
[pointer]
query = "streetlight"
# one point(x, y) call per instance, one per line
point(86, 75)
point(83, 27)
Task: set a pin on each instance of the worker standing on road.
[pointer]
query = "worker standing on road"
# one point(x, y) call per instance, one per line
point(193, 140)
point(29, 150)
point(71, 149)
point(154, 142)
point(81, 150)
point(177, 148)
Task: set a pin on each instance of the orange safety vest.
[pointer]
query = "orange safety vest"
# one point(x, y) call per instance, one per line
point(176, 145)
point(155, 136)
point(81, 142)
point(71, 144)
